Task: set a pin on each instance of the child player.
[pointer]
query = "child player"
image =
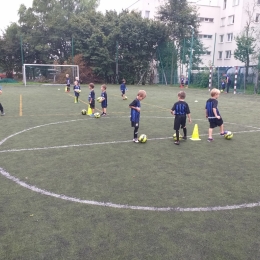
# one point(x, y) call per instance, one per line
point(91, 98)
point(223, 85)
point(1, 107)
point(135, 113)
point(77, 90)
point(67, 89)
point(104, 100)
point(213, 115)
point(180, 109)
point(123, 89)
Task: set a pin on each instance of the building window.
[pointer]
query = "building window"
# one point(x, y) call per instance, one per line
point(235, 2)
point(205, 36)
point(222, 21)
point(220, 55)
point(257, 18)
point(228, 54)
point(208, 52)
point(146, 14)
point(221, 38)
point(225, 4)
point(231, 19)
point(208, 20)
point(229, 37)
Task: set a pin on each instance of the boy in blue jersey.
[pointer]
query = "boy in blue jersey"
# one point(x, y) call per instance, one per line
point(180, 109)
point(135, 113)
point(67, 83)
point(223, 85)
point(213, 115)
point(1, 107)
point(123, 89)
point(77, 90)
point(91, 98)
point(104, 100)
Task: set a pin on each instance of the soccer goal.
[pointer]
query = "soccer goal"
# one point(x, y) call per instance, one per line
point(49, 73)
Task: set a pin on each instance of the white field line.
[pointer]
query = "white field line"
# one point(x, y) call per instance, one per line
point(103, 143)
point(121, 206)
point(108, 204)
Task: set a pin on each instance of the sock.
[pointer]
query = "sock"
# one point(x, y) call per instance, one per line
point(184, 131)
point(177, 135)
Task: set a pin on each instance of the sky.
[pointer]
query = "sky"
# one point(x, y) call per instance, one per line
point(10, 8)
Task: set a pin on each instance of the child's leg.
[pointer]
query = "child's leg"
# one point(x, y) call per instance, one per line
point(184, 132)
point(104, 110)
point(177, 135)
point(210, 133)
point(136, 132)
point(221, 128)
point(1, 108)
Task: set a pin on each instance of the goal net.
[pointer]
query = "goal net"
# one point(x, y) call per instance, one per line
point(49, 73)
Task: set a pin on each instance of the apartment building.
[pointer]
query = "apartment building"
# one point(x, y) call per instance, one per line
point(220, 22)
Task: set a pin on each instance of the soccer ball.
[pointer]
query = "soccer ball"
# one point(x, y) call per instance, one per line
point(77, 90)
point(125, 98)
point(99, 99)
point(142, 138)
point(221, 90)
point(97, 115)
point(175, 137)
point(228, 135)
point(83, 111)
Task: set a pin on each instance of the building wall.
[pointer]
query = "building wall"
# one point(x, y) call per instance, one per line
point(216, 22)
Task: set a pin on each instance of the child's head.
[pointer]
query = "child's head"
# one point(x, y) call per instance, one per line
point(215, 93)
point(181, 95)
point(123, 80)
point(76, 82)
point(76, 78)
point(91, 86)
point(141, 95)
point(103, 87)
point(67, 75)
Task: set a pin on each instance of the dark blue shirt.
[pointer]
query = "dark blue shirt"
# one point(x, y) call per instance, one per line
point(68, 81)
point(134, 114)
point(122, 87)
point(181, 108)
point(210, 104)
point(91, 95)
point(104, 95)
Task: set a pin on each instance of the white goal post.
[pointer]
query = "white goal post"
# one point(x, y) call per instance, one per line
point(52, 68)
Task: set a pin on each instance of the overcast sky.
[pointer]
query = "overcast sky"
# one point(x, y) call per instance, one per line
point(9, 9)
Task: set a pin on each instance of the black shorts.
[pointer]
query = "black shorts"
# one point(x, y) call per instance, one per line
point(103, 106)
point(68, 85)
point(214, 122)
point(134, 124)
point(92, 104)
point(179, 121)
point(123, 92)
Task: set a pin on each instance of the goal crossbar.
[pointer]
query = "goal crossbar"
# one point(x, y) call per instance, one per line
point(47, 65)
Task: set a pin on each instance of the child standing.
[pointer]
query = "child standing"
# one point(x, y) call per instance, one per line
point(67, 89)
point(135, 113)
point(187, 82)
point(104, 100)
point(213, 115)
point(91, 98)
point(77, 90)
point(1, 107)
point(123, 89)
point(180, 109)
point(223, 85)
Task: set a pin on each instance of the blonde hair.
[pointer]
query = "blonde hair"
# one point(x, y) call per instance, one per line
point(104, 86)
point(214, 92)
point(67, 75)
point(141, 93)
point(182, 95)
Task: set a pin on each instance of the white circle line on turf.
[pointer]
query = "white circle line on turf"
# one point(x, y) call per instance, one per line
point(108, 204)
point(103, 143)
point(121, 206)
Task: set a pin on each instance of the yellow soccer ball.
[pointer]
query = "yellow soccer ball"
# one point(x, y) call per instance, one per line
point(142, 138)
point(175, 137)
point(99, 99)
point(228, 135)
point(97, 115)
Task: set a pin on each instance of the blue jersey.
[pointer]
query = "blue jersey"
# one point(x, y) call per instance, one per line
point(210, 104)
point(91, 95)
point(181, 108)
point(104, 102)
point(134, 114)
point(123, 87)
point(76, 90)
point(67, 81)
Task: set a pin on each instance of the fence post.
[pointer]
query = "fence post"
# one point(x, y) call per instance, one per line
point(235, 82)
point(210, 78)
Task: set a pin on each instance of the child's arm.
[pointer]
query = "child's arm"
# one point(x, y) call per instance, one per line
point(189, 118)
point(173, 112)
point(215, 113)
point(206, 113)
point(136, 108)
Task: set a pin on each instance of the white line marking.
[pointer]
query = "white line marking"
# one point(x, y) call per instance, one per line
point(108, 204)
point(120, 206)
